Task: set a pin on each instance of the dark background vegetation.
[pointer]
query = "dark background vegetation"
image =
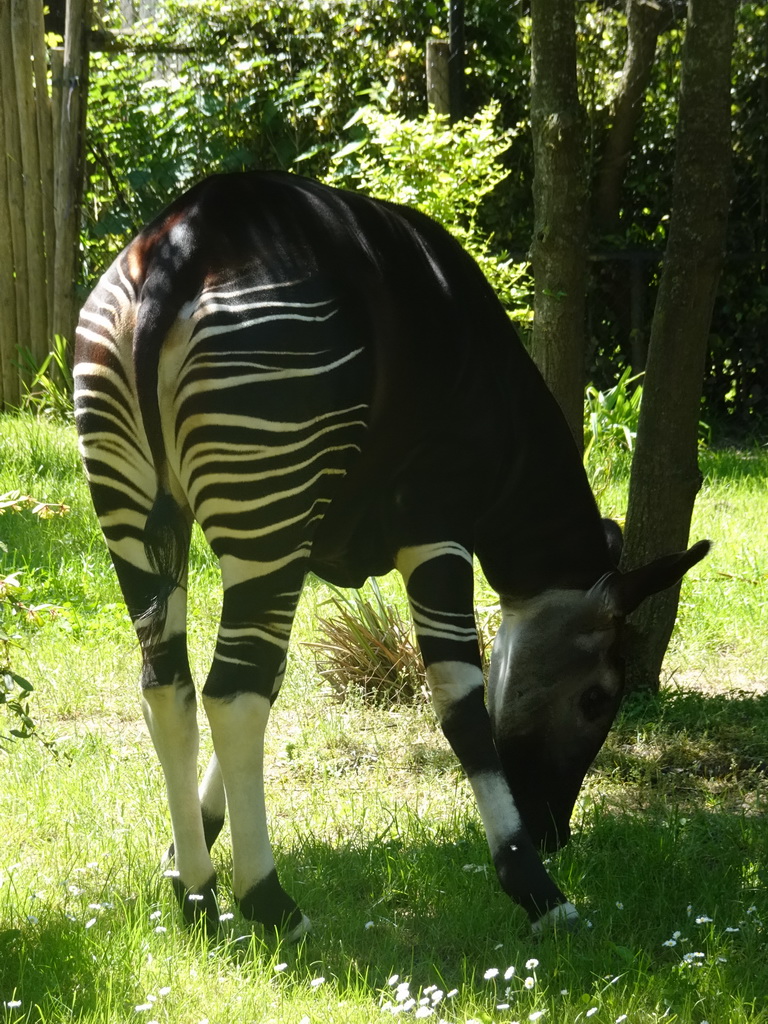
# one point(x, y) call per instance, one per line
point(226, 86)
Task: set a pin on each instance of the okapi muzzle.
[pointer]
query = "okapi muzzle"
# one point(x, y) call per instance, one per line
point(556, 683)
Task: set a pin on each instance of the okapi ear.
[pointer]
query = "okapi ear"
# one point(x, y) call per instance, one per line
point(624, 592)
point(615, 539)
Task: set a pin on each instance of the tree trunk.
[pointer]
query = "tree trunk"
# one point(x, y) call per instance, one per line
point(560, 202)
point(665, 477)
point(645, 20)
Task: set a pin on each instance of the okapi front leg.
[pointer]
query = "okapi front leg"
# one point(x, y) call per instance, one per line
point(440, 584)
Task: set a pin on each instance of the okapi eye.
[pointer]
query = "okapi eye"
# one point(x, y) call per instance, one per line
point(593, 702)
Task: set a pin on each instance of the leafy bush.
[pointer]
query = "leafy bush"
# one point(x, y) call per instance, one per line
point(443, 169)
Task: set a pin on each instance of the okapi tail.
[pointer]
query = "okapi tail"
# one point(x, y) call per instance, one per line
point(164, 256)
point(166, 542)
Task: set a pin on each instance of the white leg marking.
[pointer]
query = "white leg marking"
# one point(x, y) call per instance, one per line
point(501, 818)
point(172, 721)
point(450, 681)
point(565, 916)
point(237, 727)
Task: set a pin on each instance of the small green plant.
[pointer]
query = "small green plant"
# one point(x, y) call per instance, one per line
point(50, 391)
point(14, 688)
point(611, 417)
point(15, 606)
point(367, 648)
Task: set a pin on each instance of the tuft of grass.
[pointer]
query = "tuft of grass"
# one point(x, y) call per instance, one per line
point(367, 647)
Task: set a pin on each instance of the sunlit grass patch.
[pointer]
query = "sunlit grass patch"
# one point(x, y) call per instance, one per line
point(375, 829)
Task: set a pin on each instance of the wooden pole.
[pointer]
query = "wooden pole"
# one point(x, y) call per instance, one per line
point(9, 385)
point(43, 111)
point(16, 267)
point(69, 165)
point(438, 86)
point(36, 343)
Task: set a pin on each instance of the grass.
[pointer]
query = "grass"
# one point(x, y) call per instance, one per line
point(373, 825)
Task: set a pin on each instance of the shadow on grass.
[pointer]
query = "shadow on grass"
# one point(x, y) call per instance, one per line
point(694, 734)
point(423, 905)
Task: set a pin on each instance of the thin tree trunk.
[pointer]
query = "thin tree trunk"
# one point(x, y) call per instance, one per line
point(560, 200)
point(645, 20)
point(665, 477)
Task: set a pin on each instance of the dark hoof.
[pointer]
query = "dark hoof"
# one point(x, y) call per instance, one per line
point(269, 905)
point(198, 905)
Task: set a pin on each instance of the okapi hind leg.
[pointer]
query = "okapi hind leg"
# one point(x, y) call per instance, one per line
point(169, 705)
point(213, 801)
point(439, 579)
point(247, 670)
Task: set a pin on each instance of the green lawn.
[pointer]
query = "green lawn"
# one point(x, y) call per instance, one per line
point(373, 825)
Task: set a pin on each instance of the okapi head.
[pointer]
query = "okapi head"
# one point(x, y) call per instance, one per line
point(556, 683)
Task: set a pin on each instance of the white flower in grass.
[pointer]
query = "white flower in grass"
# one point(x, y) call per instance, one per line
point(619, 905)
point(403, 991)
point(368, 924)
point(409, 1004)
point(155, 915)
point(164, 990)
point(732, 930)
point(13, 1004)
point(317, 982)
point(452, 993)
point(305, 1020)
point(424, 1011)
point(531, 964)
point(509, 973)
point(591, 1011)
point(502, 1006)
point(394, 979)
point(90, 923)
point(171, 873)
point(621, 1017)
point(436, 996)
point(228, 916)
point(703, 919)
point(670, 942)
point(529, 982)
point(492, 972)
point(143, 1007)
point(536, 1014)
point(160, 930)
point(279, 967)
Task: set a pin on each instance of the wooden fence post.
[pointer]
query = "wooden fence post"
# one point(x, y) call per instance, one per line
point(41, 172)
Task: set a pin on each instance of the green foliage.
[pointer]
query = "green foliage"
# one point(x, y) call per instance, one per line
point(236, 86)
point(611, 417)
point(50, 391)
point(15, 605)
point(446, 170)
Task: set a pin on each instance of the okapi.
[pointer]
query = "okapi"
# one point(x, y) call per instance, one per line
point(328, 384)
